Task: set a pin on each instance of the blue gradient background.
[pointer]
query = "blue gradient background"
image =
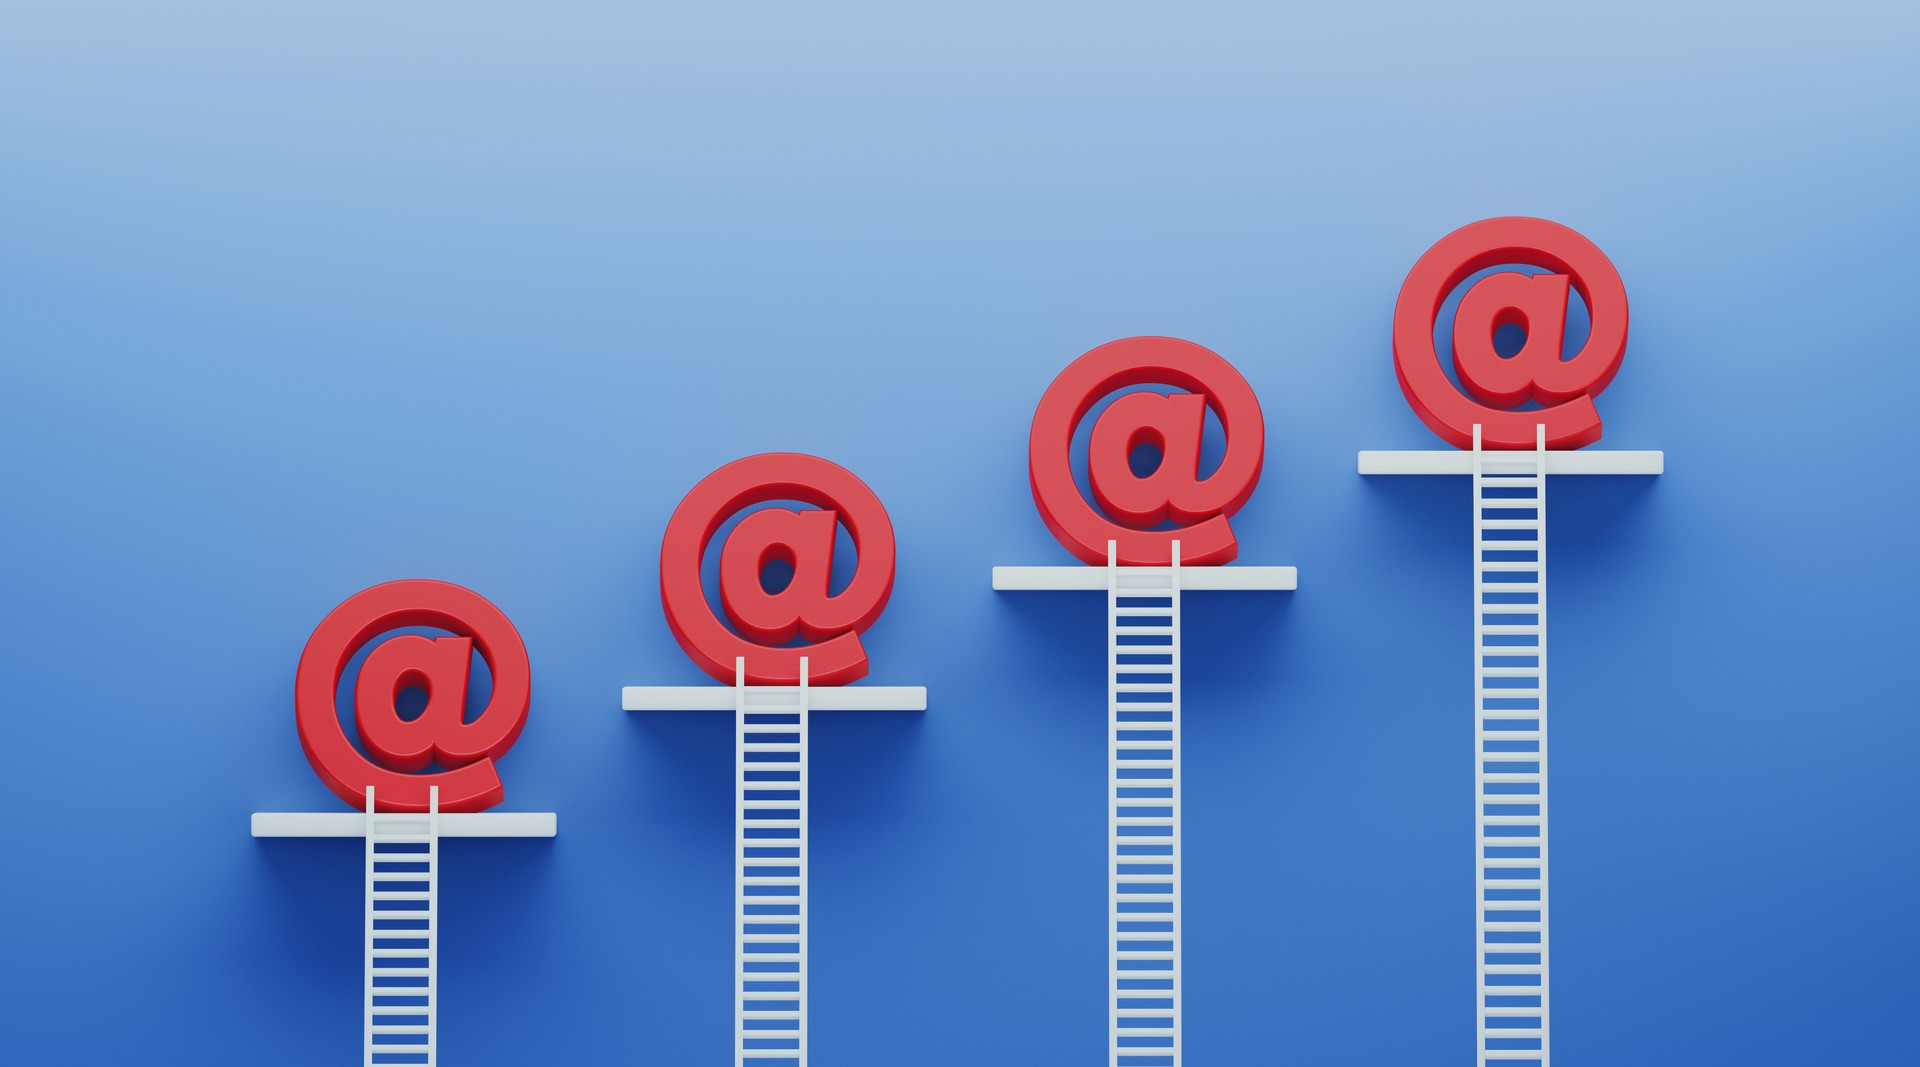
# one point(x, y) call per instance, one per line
point(296, 298)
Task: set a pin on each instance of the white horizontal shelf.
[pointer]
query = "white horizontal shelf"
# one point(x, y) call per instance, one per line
point(1454, 461)
point(1089, 577)
point(452, 823)
point(819, 698)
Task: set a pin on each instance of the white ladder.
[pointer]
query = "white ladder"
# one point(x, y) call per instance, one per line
point(1510, 751)
point(1143, 818)
point(770, 884)
point(403, 937)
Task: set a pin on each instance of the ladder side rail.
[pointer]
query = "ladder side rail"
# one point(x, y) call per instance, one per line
point(1479, 761)
point(1113, 807)
point(1179, 926)
point(367, 993)
point(805, 775)
point(739, 861)
point(433, 923)
point(1540, 447)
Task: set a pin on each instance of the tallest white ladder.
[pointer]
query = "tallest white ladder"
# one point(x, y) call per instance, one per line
point(1143, 838)
point(403, 933)
point(1510, 752)
point(1511, 995)
point(770, 883)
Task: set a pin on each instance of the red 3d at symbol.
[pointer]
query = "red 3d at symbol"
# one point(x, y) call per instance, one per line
point(1131, 505)
point(397, 747)
point(1496, 386)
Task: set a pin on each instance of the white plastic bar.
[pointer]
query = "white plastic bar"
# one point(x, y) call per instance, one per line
point(403, 933)
point(1510, 752)
point(1143, 812)
point(452, 824)
point(1193, 579)
point(1454, 461)
point(828, 698)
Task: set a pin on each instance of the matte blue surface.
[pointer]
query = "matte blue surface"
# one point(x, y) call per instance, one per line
point(295, 299)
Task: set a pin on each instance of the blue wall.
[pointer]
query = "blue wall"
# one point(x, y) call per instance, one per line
point(296, 298)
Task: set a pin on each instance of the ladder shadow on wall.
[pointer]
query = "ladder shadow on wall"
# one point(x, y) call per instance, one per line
point(1424, 523)
point(861, 759)
point(313, 917)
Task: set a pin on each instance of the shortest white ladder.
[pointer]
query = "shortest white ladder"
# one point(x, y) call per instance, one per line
point(403, 935)
point(1510, 752)
point(1143, 812)
point(403, 920)
point(770, 865)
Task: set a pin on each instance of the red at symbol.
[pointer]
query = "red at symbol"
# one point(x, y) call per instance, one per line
point(439, 665)
point(1496, 385)
point(804, 608)
point(1174, 491)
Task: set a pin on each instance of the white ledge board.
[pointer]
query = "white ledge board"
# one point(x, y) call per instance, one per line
point(1454, 461)
point(452, 823)
point(819, 698)
point(1089, 577)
